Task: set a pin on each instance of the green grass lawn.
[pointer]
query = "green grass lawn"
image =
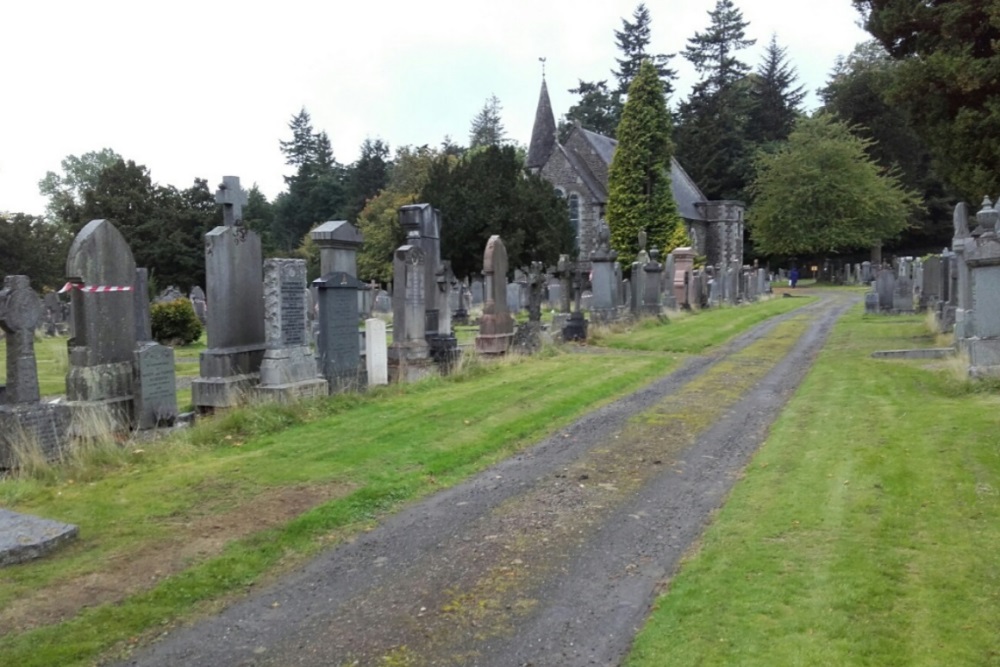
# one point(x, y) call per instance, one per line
point(360, 455)
point(864, 532)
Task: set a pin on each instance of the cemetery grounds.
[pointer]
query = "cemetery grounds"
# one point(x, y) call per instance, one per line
point(556, 496)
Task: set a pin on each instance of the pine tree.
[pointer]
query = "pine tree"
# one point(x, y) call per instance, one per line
point(633, 41)
point(300, 149)
point(487, 128)
point(639, 193)
point(711, 137)
point(775, 102)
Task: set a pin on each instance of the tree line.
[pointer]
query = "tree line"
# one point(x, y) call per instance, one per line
point(896, 131)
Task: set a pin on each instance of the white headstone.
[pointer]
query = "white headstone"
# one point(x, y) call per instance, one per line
point(376, 353)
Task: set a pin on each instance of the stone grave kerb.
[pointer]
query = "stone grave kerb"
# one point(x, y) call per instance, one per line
point(339, 242)
point(20, 312)
point(233, 198)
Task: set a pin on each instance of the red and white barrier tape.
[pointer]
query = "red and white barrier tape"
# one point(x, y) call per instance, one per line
point(94, 288)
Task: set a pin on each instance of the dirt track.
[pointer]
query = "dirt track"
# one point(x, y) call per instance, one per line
point(552, 557)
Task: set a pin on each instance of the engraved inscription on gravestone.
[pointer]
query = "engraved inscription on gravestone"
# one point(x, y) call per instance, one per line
point(293, 312)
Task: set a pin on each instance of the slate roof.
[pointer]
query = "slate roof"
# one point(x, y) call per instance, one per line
point(686, 193)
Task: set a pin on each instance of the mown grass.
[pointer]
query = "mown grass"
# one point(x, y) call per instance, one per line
point(693, 334)
point(864, 532)
point(379, 449)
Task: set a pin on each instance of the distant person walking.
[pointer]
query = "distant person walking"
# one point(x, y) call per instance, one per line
point(793, 276)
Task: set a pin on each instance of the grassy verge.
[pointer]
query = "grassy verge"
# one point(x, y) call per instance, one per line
point(695, 333)
point(864, 532)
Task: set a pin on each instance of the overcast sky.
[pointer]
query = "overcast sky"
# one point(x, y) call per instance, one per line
point(206, 88)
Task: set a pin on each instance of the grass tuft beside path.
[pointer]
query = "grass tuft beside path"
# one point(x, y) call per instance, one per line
point(865, 531)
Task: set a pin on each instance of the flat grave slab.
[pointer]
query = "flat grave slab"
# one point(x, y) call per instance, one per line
point(25, 537)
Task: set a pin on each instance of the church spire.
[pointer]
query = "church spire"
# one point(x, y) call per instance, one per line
point(543, 133)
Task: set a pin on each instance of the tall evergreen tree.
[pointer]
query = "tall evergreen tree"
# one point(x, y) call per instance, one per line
point(639, 192)
point(633, 42)
point(301, 148)
point(487, 127)
point(711, 136)
point(598, 110)
point(367, 176)
point(775, 100)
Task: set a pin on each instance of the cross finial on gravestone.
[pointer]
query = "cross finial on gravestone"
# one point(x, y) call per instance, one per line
point(232, 198)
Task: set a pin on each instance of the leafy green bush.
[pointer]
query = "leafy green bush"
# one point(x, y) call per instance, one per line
point(174, 322)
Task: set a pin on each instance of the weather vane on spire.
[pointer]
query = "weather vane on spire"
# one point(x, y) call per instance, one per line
point(542, 60)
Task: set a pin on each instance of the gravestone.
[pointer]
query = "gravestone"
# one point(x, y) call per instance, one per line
point(981, 254)
point(288, 370)
point(101, 274)
point(199, 303)
point(651, 284)
point(24, 537)
point(528, 336)
point(339, 345)
point(444, 344)
point(667, 282)
point(339, 242)
point(496, 326)
point(930, 289)
point(171, 293)
point(514, 297)
point(376, 352)
point(576, 325)
point(383, 302)
point(902, 294)
point(683, 263)
point(230, 367)
point(602, 277)
point(422, 224)
point(885, 287)
point(962, 285)
point(154, 378)
point(477, 293)
point(871, 303)
point(564, 271)
point(409, 354)
point(24, 420)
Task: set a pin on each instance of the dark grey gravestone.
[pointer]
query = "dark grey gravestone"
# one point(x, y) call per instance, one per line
point(199, 303)
point(477, 292)
point(143, 323)
point(602, 262)
point(885, 287)
point(409, 354)
point(902, 295)
point(288, 370)
point(103, 342)
point(422, 224)
point(24, 537)
point(651, 285)
point(339, 242)
point(236, 343)
point(155, 385)
point(171, 293)
point(23, 420)
point(339, 346)
point(871, 303)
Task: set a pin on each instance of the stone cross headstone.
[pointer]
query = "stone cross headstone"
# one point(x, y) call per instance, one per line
point(496, 327)
point(233, 198)
point(288, 370)
point(233, 275)
point(101, 268)
point(23, 419)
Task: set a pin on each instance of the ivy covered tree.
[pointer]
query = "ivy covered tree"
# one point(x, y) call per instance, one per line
point(639, 194)
point(711, 135)
point(949, 56)
point(820, 193)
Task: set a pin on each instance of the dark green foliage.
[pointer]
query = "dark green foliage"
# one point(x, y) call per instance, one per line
point(711, 136)
point(164, 226)
point(486, 193)
point(34, 247)
point(366, 177)
point(487, 128)
point(65, 191)
point(949, 55)
point(858, 93)
point(316, 191)
point(639, 195)
point(174, 322)
point(598, 110)
point(775, 100)
point(633, 41)
point(258, 215)
point(821, 193)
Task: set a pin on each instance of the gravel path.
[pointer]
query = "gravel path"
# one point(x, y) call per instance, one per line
point(552, 557)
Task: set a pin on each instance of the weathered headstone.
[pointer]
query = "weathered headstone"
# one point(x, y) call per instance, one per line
point(477, 292)
point(602, 278)
point(376, 352)
point(683, 263)
point(409, 354)
point(230, 367)
point(982, 318)
point(24, 421)
point(171, 293)
point(962, 284)
point(651, 285)
point(154, 378)
point(288, 370)
point(101, 274)
point(199, 303)
point(339, 345)
point(422, 224)
point(885, 287)
point(496, 327)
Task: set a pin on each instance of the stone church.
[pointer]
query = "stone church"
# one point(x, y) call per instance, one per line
point(578, 170)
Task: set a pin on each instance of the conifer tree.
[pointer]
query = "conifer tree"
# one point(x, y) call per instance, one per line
point(487, 128)
point(639, 193)
point(633, 42)
point(775, 101)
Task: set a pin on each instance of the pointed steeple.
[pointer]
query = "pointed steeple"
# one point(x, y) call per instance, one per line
point(543, 134)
